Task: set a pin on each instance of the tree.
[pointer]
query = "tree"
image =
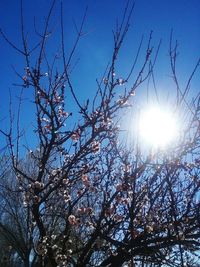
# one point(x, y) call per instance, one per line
point(17, 228)
point(94, 200)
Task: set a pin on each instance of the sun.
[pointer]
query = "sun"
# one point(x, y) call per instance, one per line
point(157, 127)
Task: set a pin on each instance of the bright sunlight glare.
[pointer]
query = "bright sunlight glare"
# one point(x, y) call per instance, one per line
point(157, 127)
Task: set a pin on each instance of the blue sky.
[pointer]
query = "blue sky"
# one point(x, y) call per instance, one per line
point(95, 48)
